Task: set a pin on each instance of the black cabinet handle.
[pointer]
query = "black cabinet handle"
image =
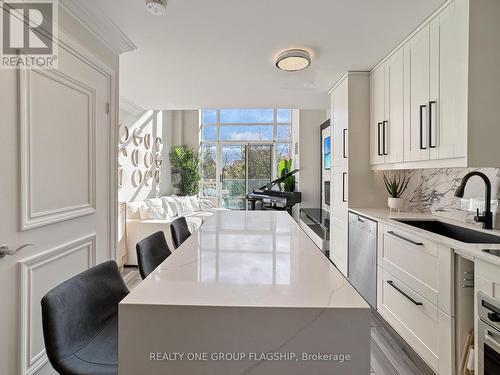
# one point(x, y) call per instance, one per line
point(391, 283)
point(430, 124)
point(422, 128)
point(344, 133)
point(385, 124)
point(405, 239)
point(380, 153)
point(344, 176)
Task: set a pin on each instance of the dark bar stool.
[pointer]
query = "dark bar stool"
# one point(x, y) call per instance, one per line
point(80, 322)
point(151, 252)
point(180, 231)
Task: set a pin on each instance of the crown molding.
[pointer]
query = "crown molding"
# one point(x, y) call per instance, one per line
point(345, 75)
point(129, 106)
point(100, 25)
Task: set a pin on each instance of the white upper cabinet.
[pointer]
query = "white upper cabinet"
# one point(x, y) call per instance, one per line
point(394, 121)
point(449, 116)
point(340, 108)
point(386, 111)
point(448, 90)
point(417, 94)
point(377, 108)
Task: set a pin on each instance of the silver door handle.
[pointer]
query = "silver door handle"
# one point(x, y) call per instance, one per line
point(4, 249)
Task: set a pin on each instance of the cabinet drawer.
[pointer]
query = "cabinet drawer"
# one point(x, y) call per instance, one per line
point(428, 330)
point(419, 263)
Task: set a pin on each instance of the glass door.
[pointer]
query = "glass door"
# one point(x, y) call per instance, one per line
point(245, 167)
point(260, 160)
point(233, 176)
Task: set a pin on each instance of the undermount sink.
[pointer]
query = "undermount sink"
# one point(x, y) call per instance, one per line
point(453, 231)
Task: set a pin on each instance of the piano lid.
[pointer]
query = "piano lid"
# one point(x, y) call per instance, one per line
point(270, 185)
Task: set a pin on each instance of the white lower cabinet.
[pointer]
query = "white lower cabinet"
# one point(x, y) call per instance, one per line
point(423, 265)
point(415, 294)
point(427, 329)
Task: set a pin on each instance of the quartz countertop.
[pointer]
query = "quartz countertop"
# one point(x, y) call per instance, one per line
point(384, 215)
point(247, 259)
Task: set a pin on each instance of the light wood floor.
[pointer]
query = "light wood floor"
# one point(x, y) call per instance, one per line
point(390, 355)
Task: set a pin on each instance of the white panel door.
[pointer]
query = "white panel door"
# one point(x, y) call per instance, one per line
point(338, 245)
point(339, 185)
point(417, 71)
point(55, 194)
point(448, 105)
point(340, 109)
point(393, 126)
point(377, 114)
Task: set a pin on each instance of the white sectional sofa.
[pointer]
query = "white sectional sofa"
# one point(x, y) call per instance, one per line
point(151, 215)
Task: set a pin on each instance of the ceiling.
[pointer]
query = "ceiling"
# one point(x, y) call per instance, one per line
point(220, 53)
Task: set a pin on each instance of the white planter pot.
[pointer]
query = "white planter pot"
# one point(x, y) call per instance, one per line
point(395, 203)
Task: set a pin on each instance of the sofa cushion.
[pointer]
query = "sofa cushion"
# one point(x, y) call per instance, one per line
point(183, 205)
point(133, 209)
point(154, 209)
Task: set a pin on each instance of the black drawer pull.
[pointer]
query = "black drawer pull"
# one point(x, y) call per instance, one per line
point(344, 134)
point(422, 147)
point(385, 124)
point(430, 124)
point(391, 283)
point(379, 151)
point(344, 177)
point(405, 239)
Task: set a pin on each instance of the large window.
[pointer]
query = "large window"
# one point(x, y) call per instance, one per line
point(233, 142)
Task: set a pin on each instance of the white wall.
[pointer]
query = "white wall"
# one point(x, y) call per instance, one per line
point(309, 156)
point(157, 124)
point(186, 128)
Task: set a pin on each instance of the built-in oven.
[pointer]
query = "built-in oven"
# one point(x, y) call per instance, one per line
point(488, 335)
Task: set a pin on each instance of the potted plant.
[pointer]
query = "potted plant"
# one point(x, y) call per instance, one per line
point(285, 167)
point(185, 166)
point(396, 186)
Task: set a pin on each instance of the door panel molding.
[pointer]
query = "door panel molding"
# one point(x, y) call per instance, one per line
point(32, 359)
point(29, 217)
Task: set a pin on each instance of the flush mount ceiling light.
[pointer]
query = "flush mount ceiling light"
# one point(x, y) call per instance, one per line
point(157, 7)
point(293, 60)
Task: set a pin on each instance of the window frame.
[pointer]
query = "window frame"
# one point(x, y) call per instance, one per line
point(218, 142)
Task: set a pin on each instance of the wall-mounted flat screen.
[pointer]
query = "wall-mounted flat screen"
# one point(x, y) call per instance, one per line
point(327, 148)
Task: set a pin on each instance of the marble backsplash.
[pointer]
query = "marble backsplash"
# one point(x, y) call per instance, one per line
point(432, 191)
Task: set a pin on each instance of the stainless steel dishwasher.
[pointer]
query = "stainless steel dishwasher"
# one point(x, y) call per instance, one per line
point(362, 261)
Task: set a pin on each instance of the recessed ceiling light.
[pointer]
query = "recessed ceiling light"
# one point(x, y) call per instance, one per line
point(293, 60)
point(157, 7)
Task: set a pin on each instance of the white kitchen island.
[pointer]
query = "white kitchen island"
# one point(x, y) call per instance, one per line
point(249, 293)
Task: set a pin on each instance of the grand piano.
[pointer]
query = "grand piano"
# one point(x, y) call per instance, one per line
point(272, 199)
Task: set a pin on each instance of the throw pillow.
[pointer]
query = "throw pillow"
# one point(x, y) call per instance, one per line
point(184, 205)
point(172, 205)
point(133, 209)
point(194, 203)
point(206, 204)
